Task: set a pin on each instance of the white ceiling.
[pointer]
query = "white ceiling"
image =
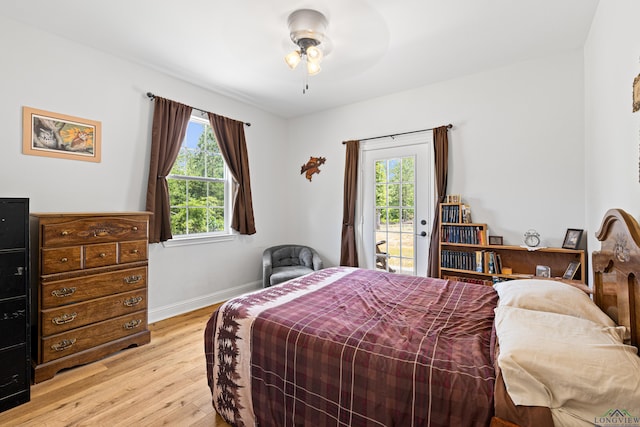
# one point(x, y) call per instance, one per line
point(379, 46)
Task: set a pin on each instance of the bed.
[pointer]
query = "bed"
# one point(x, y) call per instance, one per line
point(353, 347)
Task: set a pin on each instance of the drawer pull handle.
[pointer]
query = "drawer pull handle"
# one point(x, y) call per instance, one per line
point(134, 251)
point(135, 228)
point(100, 232)
point(102, 255)
point(65, 318)
point(64, 259)
point(132, 302)
point(64, 233)
point(64, 292)
point(63, 345)
point(133, 324)
point(132, 279)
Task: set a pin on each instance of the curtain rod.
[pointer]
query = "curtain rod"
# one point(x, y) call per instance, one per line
point(152, 96)
point(449, 126)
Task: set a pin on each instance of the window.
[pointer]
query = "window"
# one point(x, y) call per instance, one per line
point(199, 185)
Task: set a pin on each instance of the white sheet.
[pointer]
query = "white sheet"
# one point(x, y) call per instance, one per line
point(576, 367)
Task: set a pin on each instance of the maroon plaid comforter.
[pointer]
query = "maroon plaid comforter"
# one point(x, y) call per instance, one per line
point(350, 347)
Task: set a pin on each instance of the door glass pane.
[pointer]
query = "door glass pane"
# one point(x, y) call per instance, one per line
point(395, 210)
point(408, 164)
point(394, 194)
point(406, 225)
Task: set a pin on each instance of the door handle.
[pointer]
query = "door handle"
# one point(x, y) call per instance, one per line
point(422, 234)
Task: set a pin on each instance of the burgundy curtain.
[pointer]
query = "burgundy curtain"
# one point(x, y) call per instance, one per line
point(230, 136)
point(441, 151)
point(170, 120)
point(348, 250)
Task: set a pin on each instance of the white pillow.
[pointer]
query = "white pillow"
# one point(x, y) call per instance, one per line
point(575, 367)
point(550, 296)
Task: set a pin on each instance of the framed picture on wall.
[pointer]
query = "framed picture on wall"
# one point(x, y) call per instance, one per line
point(58, 135)
point(636, 94)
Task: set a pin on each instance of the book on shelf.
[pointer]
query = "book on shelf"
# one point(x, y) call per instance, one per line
point(450, 214)
point(472, 235)
point(491, 263)
point(466, 214)
point(458, 260)
point(479, 261)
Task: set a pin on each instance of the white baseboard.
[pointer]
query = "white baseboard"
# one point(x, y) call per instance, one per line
point(181, 307)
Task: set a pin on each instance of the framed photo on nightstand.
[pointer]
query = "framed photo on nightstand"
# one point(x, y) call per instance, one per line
point(570, 272)
point(572, 238)
point(495, 240)
point(543, 271)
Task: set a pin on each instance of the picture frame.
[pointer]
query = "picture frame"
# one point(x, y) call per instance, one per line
point(496, 240)
point(636, 94)
point(572, 238)
point(571, 270)
point(543, 271)
point(49, 134)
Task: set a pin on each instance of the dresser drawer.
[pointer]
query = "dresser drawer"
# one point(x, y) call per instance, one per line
point(132, 251)
point(93, 230)
point(63, 292)
point(76, 340)
point(61, 260)
point(13, 317)
point(100, 255)
point(57, 320)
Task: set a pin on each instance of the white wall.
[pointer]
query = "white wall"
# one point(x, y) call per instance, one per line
point(516, 149)
point(612, 61)
point(516, 154)
point(53, 74)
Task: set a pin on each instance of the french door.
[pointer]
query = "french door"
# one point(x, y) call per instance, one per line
point(396, 203)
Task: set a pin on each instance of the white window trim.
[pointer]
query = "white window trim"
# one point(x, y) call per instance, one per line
point(228, 234)
point(199, 239)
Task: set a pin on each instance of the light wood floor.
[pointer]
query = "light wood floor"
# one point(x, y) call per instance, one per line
point(161, 383)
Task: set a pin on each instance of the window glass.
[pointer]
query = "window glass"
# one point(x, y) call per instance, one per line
point(199, 184)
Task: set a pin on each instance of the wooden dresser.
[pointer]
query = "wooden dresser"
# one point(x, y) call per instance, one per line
point(90, 287)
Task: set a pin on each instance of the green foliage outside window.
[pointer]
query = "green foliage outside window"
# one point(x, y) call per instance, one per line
point(197, 183)
point(395, 190)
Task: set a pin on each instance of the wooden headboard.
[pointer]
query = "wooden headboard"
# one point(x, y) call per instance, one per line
point(616, 271)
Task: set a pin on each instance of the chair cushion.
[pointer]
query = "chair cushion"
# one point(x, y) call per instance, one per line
point(292, 255)
point(282, 274)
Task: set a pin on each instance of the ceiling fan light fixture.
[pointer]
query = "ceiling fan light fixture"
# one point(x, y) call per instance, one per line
point(307, 30)
point(314, 53)
point(313, 68)
point(293, 59)
point(307, 23)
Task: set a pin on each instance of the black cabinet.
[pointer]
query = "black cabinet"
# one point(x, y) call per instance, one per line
point(15, 361)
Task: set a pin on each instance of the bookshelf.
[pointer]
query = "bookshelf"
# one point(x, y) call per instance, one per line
point(466, 256)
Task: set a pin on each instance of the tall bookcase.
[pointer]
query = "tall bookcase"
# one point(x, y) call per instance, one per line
point(465, 254)
point(15, 363)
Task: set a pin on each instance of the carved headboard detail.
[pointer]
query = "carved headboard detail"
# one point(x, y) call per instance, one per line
point(616, 271)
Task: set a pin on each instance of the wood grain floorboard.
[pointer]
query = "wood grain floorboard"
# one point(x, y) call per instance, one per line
point(161, 383)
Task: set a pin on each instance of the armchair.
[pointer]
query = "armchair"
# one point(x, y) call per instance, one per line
point(283, 262)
